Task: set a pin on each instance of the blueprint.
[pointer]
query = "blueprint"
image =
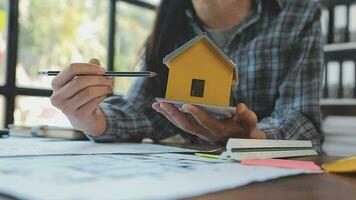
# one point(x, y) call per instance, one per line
point(149, 176)
point(42, 146)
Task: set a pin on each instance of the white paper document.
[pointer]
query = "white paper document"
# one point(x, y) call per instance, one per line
point(37, 147)
point(124, 176)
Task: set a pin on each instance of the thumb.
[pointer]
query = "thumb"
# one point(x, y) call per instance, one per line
point(95, 61)
point(245, 116)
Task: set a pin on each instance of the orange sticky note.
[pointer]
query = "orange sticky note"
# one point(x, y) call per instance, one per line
point(281, 163)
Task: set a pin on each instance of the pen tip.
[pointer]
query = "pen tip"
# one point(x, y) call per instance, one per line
point(153, 74)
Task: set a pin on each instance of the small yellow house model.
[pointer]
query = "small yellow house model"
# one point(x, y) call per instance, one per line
point(200, 72)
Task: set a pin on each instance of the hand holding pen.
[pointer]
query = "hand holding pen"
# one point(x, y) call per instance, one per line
point(107, 73)
point(78, 90)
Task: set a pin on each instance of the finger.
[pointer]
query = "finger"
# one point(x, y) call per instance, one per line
point(73, 70)
point(157, 107)
point(82, 82)
point(71, 106)
point(87, 95)
point(176, 115)
point(216, 127)
point(245, 115)
point(92, 105)
point(95, 61)
point(186, 124)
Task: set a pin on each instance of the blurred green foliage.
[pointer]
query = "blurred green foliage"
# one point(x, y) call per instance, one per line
point(55, 33)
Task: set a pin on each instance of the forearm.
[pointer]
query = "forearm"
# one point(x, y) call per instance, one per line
point(125, 121)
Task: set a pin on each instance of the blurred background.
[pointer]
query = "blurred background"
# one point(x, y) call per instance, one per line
point(48, 35)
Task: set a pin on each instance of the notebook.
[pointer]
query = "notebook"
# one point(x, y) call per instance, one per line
point(248, 149)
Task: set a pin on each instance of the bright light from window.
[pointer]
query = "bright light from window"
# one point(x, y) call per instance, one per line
point(352, 21)
point(154, 2)
point(38, 111)
point(333, 69)
point(324, 22)
point(348, 78)
point(55, 33)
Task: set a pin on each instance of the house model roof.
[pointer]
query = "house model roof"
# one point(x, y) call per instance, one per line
point(192, 42)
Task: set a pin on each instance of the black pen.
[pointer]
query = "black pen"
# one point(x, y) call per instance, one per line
point(108, 73)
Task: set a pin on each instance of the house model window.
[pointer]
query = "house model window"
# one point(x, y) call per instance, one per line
point(200, 72)
point(197, 88)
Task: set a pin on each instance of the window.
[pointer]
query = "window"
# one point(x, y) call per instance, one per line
point(52, 34)
point(3, 34)
point(37, 111)
point(197, 89)
point(333, 69)
point(340, 23)
point(348, 78)
point(56, 33)
point(352, 27)
point(324, 24)
point(2, 103)
point(133, 26)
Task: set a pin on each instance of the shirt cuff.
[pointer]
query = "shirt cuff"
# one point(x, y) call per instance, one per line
point(272, 133)
point(293, 127)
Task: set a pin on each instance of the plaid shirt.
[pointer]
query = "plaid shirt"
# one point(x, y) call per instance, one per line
point(278, 49)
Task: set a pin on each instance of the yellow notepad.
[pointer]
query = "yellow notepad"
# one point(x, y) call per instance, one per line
point(2, 20)
point(346, 165)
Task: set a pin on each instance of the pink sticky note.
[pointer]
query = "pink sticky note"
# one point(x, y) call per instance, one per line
point(293, 164)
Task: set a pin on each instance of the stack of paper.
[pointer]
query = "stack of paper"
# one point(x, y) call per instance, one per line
point(248, 149)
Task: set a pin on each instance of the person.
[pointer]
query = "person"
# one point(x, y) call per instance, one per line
point(276, 44)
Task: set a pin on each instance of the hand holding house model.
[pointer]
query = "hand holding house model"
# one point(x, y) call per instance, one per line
point(200, 73)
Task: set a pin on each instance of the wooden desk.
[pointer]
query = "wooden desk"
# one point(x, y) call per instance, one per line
point(320, 186)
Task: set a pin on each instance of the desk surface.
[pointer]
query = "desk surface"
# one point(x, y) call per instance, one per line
point(320, 186)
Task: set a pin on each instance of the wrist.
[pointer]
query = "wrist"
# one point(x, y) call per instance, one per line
point(97, 124)
point(93, 124)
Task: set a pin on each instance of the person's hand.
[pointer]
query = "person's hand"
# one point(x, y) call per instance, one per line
point(78, 97)
point(242, 125)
